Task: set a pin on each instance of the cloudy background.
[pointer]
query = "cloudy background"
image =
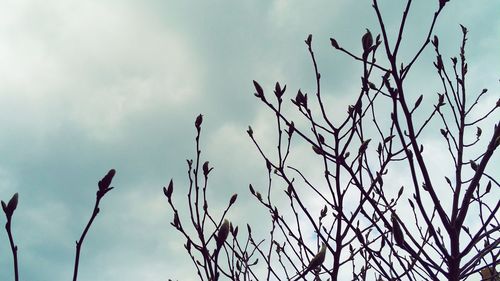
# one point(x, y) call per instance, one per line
point(86, 86)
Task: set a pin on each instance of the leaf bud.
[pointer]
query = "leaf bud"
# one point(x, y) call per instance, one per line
point(198, 121)
point(233, 199)
point(367, 41)
point(258, 88)
point(334, 43)
point(168, 191)
point(206, 169)
point(250, 131)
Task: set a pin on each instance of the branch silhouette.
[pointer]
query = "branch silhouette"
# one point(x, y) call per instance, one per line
point(350, 208)
point(103, 188)
point(9, 209)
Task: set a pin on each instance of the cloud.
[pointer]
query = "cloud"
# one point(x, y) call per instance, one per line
point(86, 86)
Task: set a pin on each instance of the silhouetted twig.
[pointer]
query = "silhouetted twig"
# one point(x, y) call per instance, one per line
point(9, 209)
point(103, 188)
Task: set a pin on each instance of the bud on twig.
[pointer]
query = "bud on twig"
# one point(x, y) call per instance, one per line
point(222, 234)
point(363, 146)
point(419, 100)
point(301, 99)
point(233, 199)
point(397, 232)
point(278, 91)
point(334, 43)
point(105, 182)
point(168, 191)
point(473, 165)
point(197, 123)
point(367, 41)
point(309, 40)
point(435, 42)
point(291, 129)
point(442, 3)
point(10, 207)
point(322, 214)
point(250, 131)
point(258, 88)
point(206, 169)
point(258, 195)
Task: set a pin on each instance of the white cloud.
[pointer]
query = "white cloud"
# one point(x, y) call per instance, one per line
point(92, 63)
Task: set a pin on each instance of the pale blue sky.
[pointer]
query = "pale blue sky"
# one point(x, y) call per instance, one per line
point(86, 86)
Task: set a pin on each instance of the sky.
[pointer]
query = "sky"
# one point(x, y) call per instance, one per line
point(86, 86)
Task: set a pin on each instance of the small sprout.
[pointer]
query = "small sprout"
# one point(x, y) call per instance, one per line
point(206, 168)
point(411, 204)
point(233, 230)
point(176, 222)
point(105, 182)
point(317, 150)
point(334, 43)
point(488, 187)
point(359, 235)
point(10, 207)
point(317, 260)
point(291, 129)
point(259, 196)
point(397, 232)
point(278, 91)
point(309, 40)
point(464, 29)
point(442, 3)
point(379, 148)
point(400, 192)
point(233, 199)
point(168, 191)
point(439, 63)
point(473, 165)
point(222, 234)
point(250, 131)
point(440, 100)
point(435, 42)
point(444, 132)
point(388, 139)
point(197, 123)
point(363, 146)
point(301, 99)
point(478, 132)
point(419, 101)
point(448, 180)
point(323, 212)
point(258, 88)
point(321, 138)
point(367, 41)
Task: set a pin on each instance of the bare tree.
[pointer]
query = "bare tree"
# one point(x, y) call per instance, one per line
point(446, 229)
point(211, 242)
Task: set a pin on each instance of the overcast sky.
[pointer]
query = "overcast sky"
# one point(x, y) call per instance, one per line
point(86, 86)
